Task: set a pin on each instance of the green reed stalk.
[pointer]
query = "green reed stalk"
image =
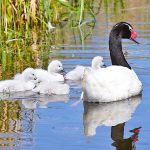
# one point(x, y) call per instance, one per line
point(81, 12)
point(3, 63)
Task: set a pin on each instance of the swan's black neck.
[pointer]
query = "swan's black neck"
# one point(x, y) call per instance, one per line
point(115, 47)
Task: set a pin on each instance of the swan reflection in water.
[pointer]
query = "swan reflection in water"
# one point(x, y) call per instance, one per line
point(117, 135)
point(113, 114)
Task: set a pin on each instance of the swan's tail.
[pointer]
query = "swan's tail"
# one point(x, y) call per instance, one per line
point(77, 102)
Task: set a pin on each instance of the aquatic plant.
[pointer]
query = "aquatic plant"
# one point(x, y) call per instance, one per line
point(20, 45)
point(30, 29)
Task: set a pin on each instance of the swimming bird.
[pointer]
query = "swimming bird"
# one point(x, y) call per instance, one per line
point(55, 68)
point(47, 81)
point(24, 82)
point(53, 73)
point(77, 73)
point(115, 82)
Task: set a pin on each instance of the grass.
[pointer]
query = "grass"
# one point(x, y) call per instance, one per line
point(26, 36)
point(20, 35)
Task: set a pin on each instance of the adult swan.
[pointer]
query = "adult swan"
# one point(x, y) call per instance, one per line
point(115, 82)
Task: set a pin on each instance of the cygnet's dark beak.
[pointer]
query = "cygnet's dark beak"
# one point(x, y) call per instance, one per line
point(63, 72)
point(104, 66)
point(34, 87)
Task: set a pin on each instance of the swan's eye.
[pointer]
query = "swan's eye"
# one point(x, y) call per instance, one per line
point(130, 28)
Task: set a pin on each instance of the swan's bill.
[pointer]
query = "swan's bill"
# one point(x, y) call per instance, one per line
point(134, 41)
point(134, 36)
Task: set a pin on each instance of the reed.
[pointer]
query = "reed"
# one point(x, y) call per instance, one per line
point(27, 34)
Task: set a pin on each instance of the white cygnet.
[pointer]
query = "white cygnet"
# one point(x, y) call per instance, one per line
point(24, 82)
point(51, 88)
point(77, 73)
point(53, 73)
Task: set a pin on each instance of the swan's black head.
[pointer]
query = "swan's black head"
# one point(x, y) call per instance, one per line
point(125, 30)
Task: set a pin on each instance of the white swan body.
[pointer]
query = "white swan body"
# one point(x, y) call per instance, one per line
point(108, 114)
point(77, 73)
point(110, 84)
point(24, 82)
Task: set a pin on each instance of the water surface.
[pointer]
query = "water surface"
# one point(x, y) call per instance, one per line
point(30, 121)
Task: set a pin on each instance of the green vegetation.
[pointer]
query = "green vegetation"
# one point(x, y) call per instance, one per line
point(22, 44)
point(27, 34)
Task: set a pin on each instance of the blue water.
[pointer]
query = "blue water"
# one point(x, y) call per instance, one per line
point(34, 122)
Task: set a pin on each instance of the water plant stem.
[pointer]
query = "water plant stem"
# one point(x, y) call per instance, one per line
point(81, 12)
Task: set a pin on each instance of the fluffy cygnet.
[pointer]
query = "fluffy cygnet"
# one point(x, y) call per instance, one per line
point(47, 81)
point(54, 72)
point(77, 73)
point(50, 88)
point(24, 82)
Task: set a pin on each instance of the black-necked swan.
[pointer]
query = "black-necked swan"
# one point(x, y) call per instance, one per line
point(77, 73)
point(115, 82)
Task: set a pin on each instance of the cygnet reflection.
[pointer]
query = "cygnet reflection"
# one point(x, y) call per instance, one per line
point(18, 95)
point(43, 100)
point(108, 114)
